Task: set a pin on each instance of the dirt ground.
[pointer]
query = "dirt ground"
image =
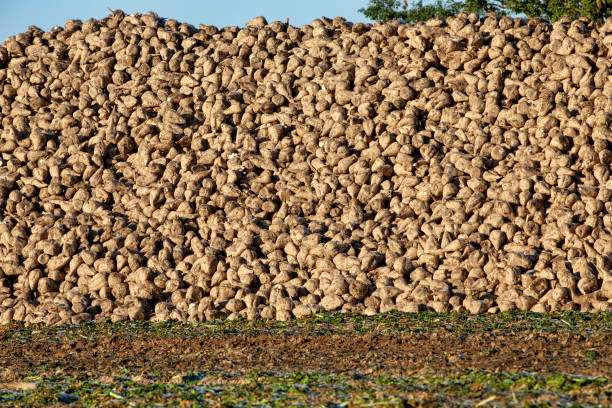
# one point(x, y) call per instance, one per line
point(369, 353)
point(328, 360)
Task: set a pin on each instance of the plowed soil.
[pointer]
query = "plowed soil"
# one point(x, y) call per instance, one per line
point(367, 353)
point(396, 360)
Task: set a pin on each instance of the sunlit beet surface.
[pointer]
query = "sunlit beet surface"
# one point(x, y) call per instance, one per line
point(155, 170)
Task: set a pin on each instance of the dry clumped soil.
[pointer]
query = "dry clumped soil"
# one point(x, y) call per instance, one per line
point(391, 343)
point(154, 170)
point(327, 359)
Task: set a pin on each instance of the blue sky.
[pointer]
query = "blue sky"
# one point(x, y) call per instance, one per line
point(17, 15)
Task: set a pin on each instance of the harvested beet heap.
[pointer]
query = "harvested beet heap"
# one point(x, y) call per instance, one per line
point(154, 170)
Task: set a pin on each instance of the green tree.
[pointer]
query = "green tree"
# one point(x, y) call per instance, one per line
point(385, 10)
point(596, 10)
point(424, 12)
point(482, 7)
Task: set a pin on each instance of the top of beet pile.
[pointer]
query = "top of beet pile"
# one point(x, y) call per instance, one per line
point(154, 170)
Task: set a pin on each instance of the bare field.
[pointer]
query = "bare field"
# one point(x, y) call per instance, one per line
point(397, 359)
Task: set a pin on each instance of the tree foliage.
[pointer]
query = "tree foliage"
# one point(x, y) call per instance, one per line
point(385, 10)
point(596, 10)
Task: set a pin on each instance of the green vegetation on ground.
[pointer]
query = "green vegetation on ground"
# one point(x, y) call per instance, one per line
point(128, 386)
point(209, 388)
point(325, 323)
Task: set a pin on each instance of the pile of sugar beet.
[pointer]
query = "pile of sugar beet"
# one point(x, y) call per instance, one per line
point(154, 170)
